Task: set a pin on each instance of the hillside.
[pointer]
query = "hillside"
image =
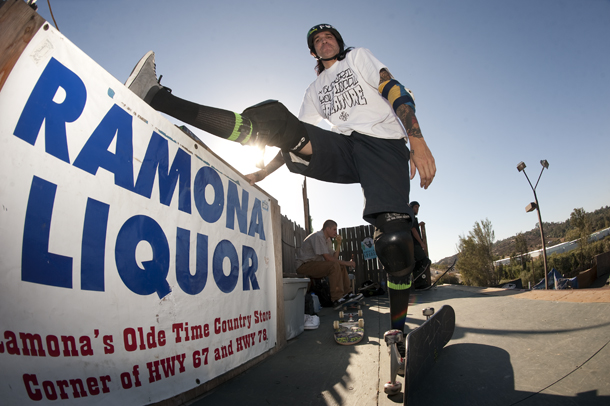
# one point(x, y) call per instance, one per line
point(555, 233)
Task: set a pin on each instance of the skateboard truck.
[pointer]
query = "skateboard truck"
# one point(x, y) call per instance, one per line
point(392, 338)
point(397, 362)
point(359, 323)
point(350, 315)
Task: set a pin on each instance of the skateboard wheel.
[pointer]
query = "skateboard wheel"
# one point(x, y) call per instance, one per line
point(359, 313)
point(336, 324)
point(341, 314)
point(428, 311)
point(392, 388)
point(360, 323)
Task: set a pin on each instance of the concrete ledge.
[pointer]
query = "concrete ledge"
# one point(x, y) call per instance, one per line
point(587, 278)
point(603, 263)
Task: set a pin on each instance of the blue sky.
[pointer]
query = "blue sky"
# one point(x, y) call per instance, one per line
point(495, 83)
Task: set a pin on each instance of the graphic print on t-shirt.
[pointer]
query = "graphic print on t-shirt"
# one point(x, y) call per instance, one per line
point(342, 93)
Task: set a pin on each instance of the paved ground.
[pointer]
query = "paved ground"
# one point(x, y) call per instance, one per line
point(509, 348)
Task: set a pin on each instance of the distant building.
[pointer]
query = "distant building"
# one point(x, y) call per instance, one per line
point(560, 248)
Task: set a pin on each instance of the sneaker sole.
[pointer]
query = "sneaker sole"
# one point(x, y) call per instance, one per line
point(136, 71)
point(355, 299)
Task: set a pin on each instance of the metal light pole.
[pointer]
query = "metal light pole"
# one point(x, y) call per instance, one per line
point(535, 206)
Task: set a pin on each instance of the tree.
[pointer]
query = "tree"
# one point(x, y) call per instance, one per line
point(582, 228)
point(522, 249)
point(580, 221)
point(475, 260)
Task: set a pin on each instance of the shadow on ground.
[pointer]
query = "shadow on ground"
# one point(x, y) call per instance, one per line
point(476, 374)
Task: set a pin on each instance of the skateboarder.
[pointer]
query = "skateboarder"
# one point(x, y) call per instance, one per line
point(419, 245)
point(371, 115)
point(317, 259)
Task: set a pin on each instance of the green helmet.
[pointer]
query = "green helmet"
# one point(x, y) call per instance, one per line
point(320, 28)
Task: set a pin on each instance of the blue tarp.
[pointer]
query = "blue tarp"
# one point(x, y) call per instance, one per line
point(562, 283)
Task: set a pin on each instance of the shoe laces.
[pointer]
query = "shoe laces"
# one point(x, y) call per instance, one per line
point(155, 71)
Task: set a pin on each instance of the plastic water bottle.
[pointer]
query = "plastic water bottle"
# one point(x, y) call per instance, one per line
point(316, 303)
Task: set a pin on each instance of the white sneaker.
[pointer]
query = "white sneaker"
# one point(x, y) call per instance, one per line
point(312, 322)
point(350, 298)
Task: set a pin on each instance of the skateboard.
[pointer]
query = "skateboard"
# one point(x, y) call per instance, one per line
point(421, 275)
point(423, 346)
point(357, 298)
point(368, 285)
point(394, 339)
point(439, 278)
point(350, 331)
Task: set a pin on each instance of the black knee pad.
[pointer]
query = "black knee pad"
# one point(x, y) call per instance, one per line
point(276, 126)
point(394, 243)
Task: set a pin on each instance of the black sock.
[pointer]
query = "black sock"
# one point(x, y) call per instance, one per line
point(221, 123)
point(399, 301)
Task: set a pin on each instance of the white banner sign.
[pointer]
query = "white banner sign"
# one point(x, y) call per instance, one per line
point(135, 265)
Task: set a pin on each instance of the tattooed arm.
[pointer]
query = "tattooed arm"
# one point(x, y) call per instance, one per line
point(421, 157)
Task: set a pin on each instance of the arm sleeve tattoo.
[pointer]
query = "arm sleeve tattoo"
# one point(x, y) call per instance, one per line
point(402, 102)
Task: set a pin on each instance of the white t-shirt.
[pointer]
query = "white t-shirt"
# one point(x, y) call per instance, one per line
point(347, 96)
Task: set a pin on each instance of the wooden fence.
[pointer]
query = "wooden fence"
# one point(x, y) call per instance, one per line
point(293, 236)
point(351, 248)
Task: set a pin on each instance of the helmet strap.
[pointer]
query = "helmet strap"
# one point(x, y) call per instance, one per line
point(328, 59)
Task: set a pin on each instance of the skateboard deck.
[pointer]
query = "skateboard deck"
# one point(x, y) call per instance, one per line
point(424, 344)
point(350, 302)
point(350, 331)
point(438, 279)
point(420, 278)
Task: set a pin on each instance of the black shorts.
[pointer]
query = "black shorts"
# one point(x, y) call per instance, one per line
point(380, 166)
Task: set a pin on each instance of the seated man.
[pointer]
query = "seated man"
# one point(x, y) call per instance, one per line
point(317, 259)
